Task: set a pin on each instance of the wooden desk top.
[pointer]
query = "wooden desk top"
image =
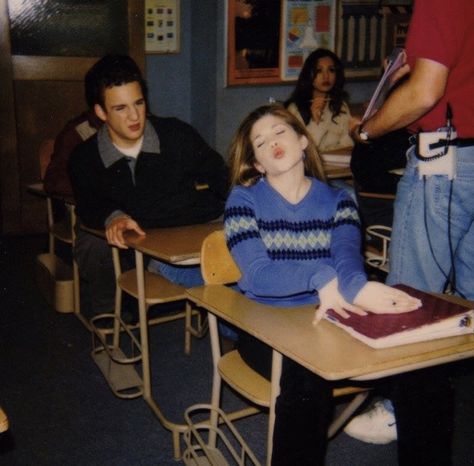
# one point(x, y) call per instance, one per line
point(325, 349)
point(337, 170)
point(174, 245)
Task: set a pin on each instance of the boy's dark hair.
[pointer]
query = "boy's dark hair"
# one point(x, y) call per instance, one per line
point(109, 71)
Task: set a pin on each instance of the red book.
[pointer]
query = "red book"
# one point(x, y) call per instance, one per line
point(436, 318)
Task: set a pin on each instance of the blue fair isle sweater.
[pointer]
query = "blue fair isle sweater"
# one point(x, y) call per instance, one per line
point(287, 252)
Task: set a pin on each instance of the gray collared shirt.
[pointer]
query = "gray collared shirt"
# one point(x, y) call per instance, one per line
point(110, 154)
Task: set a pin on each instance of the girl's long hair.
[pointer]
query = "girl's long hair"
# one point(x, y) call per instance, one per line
point(303, 92)
point(242, 157)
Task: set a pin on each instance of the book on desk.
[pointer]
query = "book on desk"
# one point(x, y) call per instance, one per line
point(436, 318)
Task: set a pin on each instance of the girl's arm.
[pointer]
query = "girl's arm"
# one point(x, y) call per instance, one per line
point(346, 247)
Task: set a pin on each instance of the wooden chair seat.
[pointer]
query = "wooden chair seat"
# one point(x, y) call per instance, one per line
point(62, 230)
point(3, 421)
point(249, 383)
point(157, 288)
point(255, 387)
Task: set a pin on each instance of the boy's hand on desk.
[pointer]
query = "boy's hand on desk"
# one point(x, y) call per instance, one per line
point(117, 227)
point(330, 298)
point(382, 299)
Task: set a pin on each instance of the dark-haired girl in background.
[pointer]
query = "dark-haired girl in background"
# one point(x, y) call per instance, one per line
point(318, 101)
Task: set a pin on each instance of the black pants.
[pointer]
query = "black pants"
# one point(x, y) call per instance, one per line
point(423, 402)
point(94, 259)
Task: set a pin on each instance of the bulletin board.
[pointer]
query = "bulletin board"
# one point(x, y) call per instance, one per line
point(162, 30)
point(306, 26)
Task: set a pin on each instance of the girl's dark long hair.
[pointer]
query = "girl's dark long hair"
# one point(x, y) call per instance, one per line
point(303, 92)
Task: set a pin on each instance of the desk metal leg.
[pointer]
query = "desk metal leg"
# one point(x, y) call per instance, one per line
point(277, 359)
point(176, 429)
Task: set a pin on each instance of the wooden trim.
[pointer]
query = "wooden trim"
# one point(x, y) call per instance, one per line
point(35, 68)
point(136, 32)
point(9, 165)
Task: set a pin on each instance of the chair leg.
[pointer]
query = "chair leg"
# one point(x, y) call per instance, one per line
point(347, 412)
point(216, 378)
point(187, 328)
point(277, 359)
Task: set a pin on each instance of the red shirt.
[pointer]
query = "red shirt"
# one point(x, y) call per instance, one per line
point(443, 31)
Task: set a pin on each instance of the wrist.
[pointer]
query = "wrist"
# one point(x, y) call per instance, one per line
point(362, 134)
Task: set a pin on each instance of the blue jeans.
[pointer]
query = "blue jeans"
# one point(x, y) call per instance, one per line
point(187, 276)
point(428, 226)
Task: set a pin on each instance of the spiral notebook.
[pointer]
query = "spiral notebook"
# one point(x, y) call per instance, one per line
point(436, 318)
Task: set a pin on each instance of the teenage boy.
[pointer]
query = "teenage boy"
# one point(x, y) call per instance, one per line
point(138, 171)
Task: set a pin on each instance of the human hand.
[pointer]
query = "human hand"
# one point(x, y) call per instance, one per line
point(354, 123)
point(402, 71)
point(317, 107)
point(382, 299)
point(331, 298)
point(114, 231)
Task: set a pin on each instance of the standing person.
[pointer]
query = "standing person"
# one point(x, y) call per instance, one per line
point(432, 246)
point(138, 171)
point(296, 241)
point(318, 101)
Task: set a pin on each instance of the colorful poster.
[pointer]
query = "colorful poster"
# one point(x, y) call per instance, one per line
point(306, 25)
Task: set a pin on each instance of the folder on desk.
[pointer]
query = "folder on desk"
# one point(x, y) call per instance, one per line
point(436, 318)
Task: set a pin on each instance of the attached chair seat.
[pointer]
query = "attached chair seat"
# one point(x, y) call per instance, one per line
point(157, 288)
point(257, 389)
point(249, 382)
point(62, 230)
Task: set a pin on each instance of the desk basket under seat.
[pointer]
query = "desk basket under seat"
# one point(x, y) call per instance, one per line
point(116, 350)
point(212, 443)
point(55, 281)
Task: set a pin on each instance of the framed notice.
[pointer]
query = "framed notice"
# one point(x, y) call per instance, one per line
point(162, 26)
point(253, 42)
point(306, 26)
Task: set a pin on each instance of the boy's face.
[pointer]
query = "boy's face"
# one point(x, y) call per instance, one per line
point(124, 113)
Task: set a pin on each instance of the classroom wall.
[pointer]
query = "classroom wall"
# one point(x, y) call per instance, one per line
point(191, 85)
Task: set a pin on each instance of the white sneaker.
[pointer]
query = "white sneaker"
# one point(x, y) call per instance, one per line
point(375, 426)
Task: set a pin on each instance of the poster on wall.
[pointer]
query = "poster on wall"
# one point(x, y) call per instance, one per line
point(161, 26)
point(306, 26)
point(253, 42)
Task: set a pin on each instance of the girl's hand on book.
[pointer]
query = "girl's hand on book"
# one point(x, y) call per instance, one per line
point(382, 299)
point(330, 298)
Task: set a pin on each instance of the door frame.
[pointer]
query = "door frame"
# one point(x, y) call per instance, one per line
point(24, 68)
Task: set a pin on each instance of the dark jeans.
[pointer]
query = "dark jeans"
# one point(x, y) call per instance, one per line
point(423, 402)
point(94, 259)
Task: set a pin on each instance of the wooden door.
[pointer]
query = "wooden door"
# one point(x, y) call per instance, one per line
point(46, 47)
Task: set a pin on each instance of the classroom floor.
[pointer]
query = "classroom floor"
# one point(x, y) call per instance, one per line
point(62, 412)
